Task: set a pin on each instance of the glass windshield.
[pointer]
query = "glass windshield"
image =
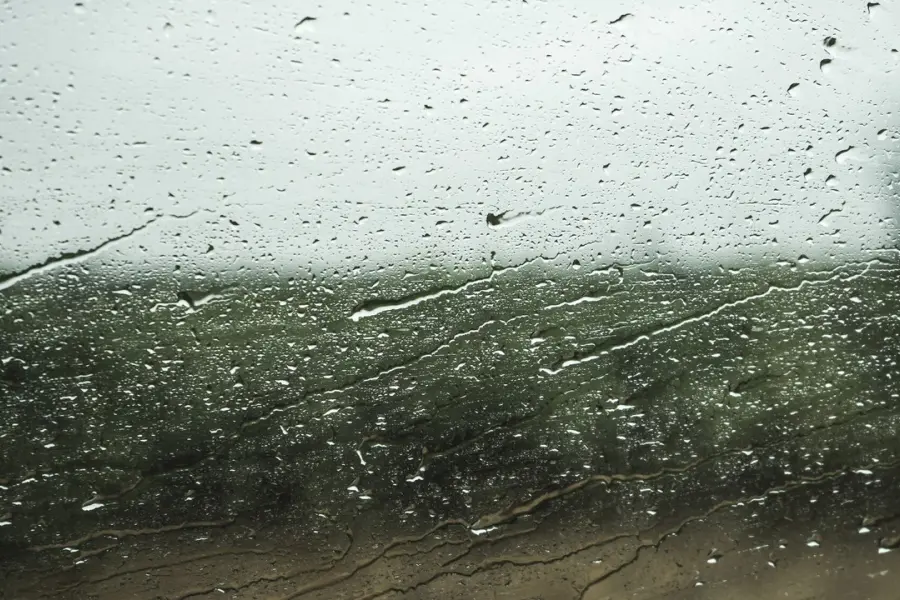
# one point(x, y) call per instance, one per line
point(513, 300)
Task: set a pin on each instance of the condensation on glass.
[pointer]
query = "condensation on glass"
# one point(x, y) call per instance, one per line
point(515, 300)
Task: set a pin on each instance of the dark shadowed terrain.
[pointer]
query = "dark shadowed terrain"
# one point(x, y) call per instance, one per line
point(527, 432)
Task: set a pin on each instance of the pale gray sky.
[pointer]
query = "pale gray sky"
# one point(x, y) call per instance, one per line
point(675, 129)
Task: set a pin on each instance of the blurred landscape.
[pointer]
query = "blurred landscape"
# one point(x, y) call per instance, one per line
point(625, 431)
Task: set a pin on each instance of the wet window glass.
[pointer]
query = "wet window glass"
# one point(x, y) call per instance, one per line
point(499, 299)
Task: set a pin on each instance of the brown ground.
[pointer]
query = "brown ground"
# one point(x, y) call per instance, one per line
point(803, 543)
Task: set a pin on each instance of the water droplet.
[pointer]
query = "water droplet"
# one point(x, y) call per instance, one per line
point(304, 25)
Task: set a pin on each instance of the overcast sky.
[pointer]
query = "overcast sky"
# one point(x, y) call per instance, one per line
point(348, 136)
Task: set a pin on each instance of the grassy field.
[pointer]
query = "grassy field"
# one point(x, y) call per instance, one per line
point(490, 397)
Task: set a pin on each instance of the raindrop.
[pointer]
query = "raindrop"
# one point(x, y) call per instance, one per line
point(494, 220)
point(304, 25)
point(621, 19)
point(890, 543)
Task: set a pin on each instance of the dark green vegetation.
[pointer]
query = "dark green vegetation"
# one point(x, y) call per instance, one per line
point(533, 399)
